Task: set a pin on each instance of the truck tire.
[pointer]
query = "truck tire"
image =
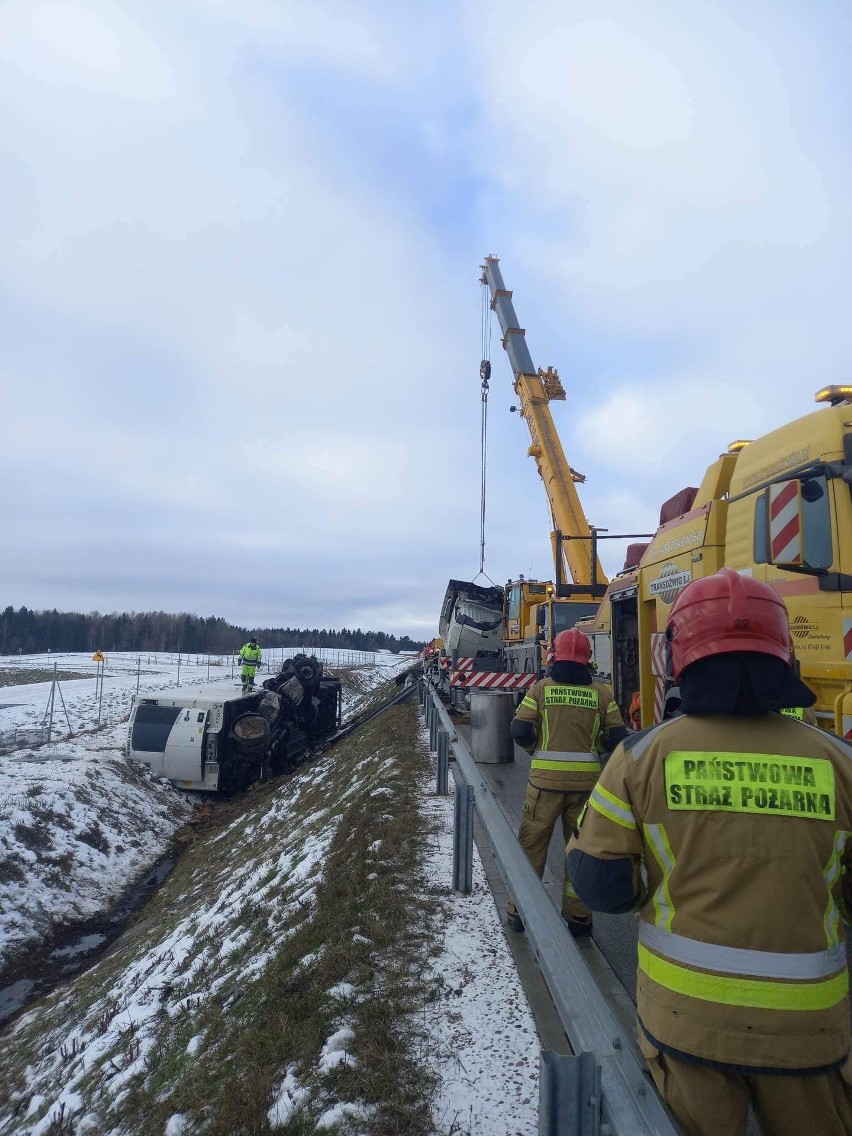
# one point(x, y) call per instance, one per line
point(250, 734)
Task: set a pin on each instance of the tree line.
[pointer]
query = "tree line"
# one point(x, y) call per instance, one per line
point(28, 632)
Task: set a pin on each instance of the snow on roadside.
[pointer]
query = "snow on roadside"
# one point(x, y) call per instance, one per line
point(89, 1067)
point(483, 1027)
point(74, 834)
point(79, 822)
point(483, 1036)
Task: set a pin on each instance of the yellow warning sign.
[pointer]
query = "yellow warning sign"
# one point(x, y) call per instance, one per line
point(98, 657)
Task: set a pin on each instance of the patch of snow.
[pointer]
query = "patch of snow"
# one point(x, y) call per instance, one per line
point(482, 1025)
point(343, 990)
point(339, 1112)
point(334, 1052)
point(289, 1098)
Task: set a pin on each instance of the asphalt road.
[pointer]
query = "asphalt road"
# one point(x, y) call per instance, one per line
point(615, 935)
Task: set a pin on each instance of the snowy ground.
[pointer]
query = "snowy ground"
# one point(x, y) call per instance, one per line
point(90, 1048)
point(78, 822)
point(488, 1075)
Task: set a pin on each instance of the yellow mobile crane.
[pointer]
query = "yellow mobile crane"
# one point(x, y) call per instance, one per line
point(535, 612)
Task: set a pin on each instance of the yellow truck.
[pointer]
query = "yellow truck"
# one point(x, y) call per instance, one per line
point(533, 616)
point(778, 508)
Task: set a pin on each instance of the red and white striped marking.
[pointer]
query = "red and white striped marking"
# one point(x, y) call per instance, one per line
point(492, 680)
point(785, 523)
point(847, 639)
point(465, 664)
point(659, 698)
point(658, 654)
point(658, 670)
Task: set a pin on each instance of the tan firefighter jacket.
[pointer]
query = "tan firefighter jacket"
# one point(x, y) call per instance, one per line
point(571, 721)
point(805, 714)
point(743, 825)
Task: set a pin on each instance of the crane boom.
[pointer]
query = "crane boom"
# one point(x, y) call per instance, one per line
point(573, 546)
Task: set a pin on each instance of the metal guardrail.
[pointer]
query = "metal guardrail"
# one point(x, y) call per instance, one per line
point(629, 1104)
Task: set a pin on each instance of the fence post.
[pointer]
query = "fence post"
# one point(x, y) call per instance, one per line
point(50, 706)
point(101, 695)
point(463, 840)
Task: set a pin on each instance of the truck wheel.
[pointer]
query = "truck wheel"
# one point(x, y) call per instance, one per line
point(250, 734)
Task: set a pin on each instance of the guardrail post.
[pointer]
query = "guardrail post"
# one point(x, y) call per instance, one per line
point(442, 784)
point(433, 728)
point(569, 1095)
point(463, 840)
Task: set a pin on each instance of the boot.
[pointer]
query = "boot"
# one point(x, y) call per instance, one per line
point(578, 926)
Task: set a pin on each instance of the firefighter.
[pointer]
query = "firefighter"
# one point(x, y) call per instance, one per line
point(250, 659)
point(741, 818)
point(566, 721)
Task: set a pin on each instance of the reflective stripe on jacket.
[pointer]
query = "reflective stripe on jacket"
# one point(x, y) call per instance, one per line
point(744, 826)
point(250, 656)
point(570, 720)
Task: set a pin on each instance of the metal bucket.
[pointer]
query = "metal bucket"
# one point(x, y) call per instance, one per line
point(491, 714)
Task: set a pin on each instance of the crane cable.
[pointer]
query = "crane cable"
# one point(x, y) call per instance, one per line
point(485, 375)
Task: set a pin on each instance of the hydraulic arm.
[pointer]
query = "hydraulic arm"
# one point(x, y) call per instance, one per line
point(573, 544)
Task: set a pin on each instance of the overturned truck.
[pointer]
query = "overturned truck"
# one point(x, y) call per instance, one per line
point(218, 739)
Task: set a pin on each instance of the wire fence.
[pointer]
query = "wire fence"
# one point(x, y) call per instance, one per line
point(22, 737)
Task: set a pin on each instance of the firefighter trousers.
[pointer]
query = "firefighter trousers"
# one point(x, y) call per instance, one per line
point(542, 809)
point(711, 1102)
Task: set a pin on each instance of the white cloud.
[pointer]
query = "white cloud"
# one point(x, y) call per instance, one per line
point(240, 261)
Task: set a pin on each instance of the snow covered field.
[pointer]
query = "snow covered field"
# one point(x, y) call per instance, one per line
point(78, 822)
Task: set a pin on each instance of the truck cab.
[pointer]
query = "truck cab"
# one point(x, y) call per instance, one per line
point(778, 508)
point(532, 618)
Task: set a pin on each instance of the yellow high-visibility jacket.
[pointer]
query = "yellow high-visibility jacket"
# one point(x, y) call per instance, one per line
point(571, 721)
point(250, 656)
point(744, 826)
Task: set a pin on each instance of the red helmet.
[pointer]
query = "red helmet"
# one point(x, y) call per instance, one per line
point(727, 612)
point(572, 647)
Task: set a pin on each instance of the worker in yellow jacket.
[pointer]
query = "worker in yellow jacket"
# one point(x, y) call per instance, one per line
point(566, 721)
point(250, 657)
point(742, 818)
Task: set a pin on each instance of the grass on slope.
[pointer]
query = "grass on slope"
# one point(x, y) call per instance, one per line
point(281, 967)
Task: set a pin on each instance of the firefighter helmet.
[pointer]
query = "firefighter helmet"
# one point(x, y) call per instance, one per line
point(572, 647)
point(726, 612)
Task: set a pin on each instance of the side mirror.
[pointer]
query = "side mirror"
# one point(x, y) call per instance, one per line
point(541, 616)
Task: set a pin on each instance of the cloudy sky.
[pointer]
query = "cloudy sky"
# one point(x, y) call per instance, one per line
point(239, 286)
